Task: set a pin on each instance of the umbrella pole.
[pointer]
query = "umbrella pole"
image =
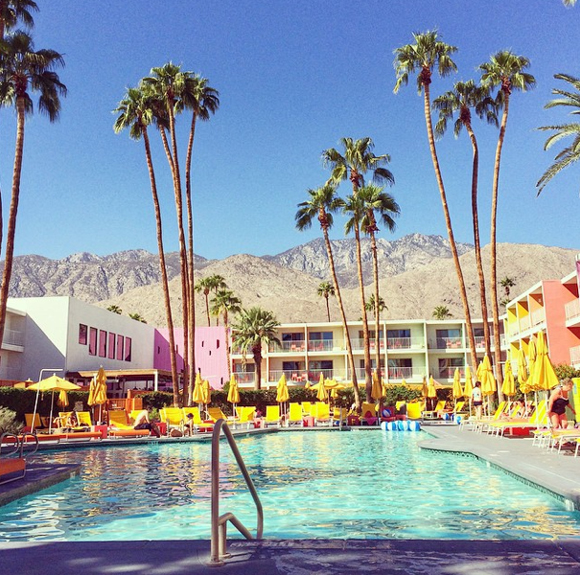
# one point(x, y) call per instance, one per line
point(51, 407)
point(35, 408)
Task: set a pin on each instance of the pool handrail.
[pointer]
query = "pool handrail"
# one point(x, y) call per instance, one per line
point(219, 523)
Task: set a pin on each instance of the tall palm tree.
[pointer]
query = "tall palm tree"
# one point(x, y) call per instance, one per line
point(441, 312)
point(507, 284)
point(255, 328)
point(226, 303)
point(322, 204)
point(136, 114)
point(163, 87)
point(505, 70)
point(13, 12)
point(353, 164)
point(24, 71)
point(377, 203)
point(570, 153)
point(203, 101)
point(325, 290)
point(206, 285)
point(371, 305)
point(464, 97)
point(430, 53)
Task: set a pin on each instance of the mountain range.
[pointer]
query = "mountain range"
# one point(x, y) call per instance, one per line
point(416, 275)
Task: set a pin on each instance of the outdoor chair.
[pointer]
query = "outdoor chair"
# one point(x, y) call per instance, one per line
point(295, 415)
point(272, 415)
point(246, 415)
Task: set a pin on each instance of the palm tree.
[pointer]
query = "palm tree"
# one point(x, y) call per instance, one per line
point(13, 12)
point(569, 3)
point(203, 100)
point(570, 153)
point(506, 70)
point(371, 306)
point(24, 71)
point(376, 202)
point(358, 159)
point(205, 286)
point(325, 290)
point(115, 309)
point(255, 328)
point(135, 113)
point(163, 87)
point(427, 54)
point(137, 317)
point(507, 283)
point(464, 97)
point(441, 312)
point(322, 204)
point(225, 302)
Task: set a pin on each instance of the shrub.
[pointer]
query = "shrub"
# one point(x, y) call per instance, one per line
point(9, 422)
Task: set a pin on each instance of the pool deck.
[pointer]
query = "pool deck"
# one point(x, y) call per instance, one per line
point(558, 473)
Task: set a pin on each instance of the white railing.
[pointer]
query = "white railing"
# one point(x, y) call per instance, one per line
point(525, 323)
point(13, 337)
point(320, 345)
point(288, 347)
point(575, 355)
point(403, 343)
point(445, 343)
point(538, 316)
point(572, 309)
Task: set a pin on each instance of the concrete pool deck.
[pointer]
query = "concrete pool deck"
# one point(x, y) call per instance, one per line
point(558, 473)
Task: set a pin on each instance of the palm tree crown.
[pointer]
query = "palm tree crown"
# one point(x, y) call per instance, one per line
point(571, 153)
point(506, 70)
point(12, 12)
point(376, 202)
point(323, 202)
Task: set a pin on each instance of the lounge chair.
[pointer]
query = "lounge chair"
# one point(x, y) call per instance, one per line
point(197, 423)
point(173, 417)
point(216, 413)
point(246, 415)
point(433, 414)
point(478, 424)
point(414, 409)
point(369, 414)
point(539, 418)
point(321, 413)
point(340, 416)
point(119, 426)
point(307, 407)
point(38, 423)
point(272, 415)
point(295, 415)
point(84, 418)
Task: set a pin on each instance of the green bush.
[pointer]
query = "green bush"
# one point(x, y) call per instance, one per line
point(9, 422)
point(563, 371)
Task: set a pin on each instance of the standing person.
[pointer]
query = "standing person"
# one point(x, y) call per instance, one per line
point(477, 398)
point(558, 403)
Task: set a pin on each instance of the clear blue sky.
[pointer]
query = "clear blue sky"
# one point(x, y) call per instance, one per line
point(294, 77)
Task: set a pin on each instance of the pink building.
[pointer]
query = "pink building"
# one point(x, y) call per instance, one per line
point(210, 353)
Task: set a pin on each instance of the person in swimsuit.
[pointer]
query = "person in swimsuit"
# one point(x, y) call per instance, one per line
point(142, 422)
point(558, 403)
point(477, 398)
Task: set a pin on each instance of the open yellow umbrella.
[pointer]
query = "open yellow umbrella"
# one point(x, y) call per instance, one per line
point(457, 389)
point(544, 377)
point(234, 393)
point(52, 383)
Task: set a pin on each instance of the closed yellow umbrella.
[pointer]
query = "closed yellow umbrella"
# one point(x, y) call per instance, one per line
point(98, 391)
point(488, 383)
point(321, 391)
point(508, 387)
point(425, 388)
point(376, 390)
point(282, 394)
point(62, 398)
point(206, 390)
point(457, 389)
point(532, 353)
point(234, 393)
point(197, 389)
point(545, 377)
point(431, 391)
point(522, 372)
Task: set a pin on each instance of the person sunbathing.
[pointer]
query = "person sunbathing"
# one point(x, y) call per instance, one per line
point(142, 422)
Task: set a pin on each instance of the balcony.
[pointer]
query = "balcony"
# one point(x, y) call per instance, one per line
point(538, 316)
point(358, 344)
point(449, 372)
point(575, 355)
point(320, 345)
point(525, 323)
point(244, 377)
point(400, 373)
point(405, 343)
point(13, 337)
point(287, 347)
point(445, 343)
point(572, 310)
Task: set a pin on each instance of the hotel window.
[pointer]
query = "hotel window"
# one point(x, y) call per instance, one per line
point(93, 341)
point(112, 340)
point(127, 349)
point(120, 346)
point(82, 334)
point(102, 343)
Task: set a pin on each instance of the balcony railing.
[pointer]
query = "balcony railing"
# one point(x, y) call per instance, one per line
point(400, 373)
point(525, 323)
point(13, 337)
point(244, 377)
point(359, 343)
point(320, 345)
point(397, 343)
point(449, 372)
point(572, 309)
point(575, 355)
point(287, 347)
point(446, 343)
point(538, 316)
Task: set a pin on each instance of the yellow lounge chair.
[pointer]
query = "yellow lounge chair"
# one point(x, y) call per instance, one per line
point(173, 417)
point(295, 415)
point(432, 414)
point(216, 413)
point(246, 414)
point(366, 409)
point(38, 424)
point(340, 416)
point(307, 407)
point(197, 423)
point(539, 418)
point(84, 418)
point(119, 426)
point(321, 413)
point(414, 409)
point(272, 415)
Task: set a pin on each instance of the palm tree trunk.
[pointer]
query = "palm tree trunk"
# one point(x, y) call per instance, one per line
point(377, 306)
point(11, 231)
point(452, 245)
point(228, 355)
point(163, 269)
point(257, 353)
point(478, 261)
point(493, 243)
point(207, 308)
point(327, 307)
point(191, 261)
point(344, 322)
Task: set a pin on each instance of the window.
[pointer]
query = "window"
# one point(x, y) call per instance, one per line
point(320, 365)
point(217, 343)
point(93, 341)
point(82, 334)
point(361, 334)
point(478, 332)
point(112, 341)
point(318, 335)
point(102, 343)
point(120, 346)
point(127, 349)
point(292, 365)
point(393, 333)
point(293, 337)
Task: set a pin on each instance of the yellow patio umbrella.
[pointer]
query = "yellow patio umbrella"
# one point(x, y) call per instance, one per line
point(234, 393)
point(522, 370)
point(98, 391)
point(544, 377)
point(197, 396)
point(532, 354)
point(206, 391)
point(457, 389)
point(425, 388)
point(508, 387)
point(52, 384)
point(321, 391)
point(488, 383)
point(62, 398)
point(376, 389)
point(282, 395)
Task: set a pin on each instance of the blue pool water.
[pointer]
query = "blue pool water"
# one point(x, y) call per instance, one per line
point(312, 485)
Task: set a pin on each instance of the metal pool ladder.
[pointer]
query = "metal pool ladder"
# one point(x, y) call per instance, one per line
point(219, 522)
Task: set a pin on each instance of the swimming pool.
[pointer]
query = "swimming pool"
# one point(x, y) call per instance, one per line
point(350, 485)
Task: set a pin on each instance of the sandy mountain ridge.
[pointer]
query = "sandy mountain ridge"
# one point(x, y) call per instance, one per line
point(292, 294)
